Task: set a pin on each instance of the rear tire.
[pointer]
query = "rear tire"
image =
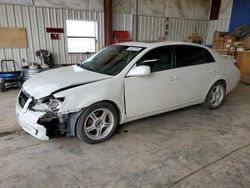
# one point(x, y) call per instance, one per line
point(215, 96)
point(97, 123)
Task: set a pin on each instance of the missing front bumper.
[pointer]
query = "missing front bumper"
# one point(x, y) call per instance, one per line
point(28, 122)
point(46, 125)
point(41, 125)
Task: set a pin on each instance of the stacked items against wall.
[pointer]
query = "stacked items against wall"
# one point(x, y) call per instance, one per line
point(218, 40)
point(246, 43)
point(195, 38)
point(240, 38)
point(229, 41)
point(225, 43)
point(236, 43)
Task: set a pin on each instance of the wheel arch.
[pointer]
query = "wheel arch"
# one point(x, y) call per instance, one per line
point(73, 117)
point(116, 107)
point(222, 80)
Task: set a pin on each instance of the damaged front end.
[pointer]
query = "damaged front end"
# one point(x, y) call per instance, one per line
point(43, 119)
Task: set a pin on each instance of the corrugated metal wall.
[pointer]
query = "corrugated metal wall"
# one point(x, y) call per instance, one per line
point(151, 28)
point(123, 22)
point(36, 19)
point(216, 25)
point(179, 29)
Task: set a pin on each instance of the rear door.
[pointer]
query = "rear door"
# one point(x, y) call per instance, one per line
point(196, 69)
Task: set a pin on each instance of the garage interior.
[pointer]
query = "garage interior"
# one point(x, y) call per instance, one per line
point(191, 147)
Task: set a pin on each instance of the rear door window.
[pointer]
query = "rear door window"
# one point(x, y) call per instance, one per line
point(189, 56)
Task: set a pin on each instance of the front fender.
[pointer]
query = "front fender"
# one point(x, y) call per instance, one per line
point(78, 98)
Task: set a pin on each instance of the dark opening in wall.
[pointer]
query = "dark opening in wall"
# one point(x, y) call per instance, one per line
point(215, 9)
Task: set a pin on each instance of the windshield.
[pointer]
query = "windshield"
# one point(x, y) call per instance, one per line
point(111, 60)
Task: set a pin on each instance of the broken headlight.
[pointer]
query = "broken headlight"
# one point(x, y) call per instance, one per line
point(55, 103)
point(47, 104)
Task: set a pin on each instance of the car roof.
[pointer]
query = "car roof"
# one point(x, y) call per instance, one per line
point(157, 44)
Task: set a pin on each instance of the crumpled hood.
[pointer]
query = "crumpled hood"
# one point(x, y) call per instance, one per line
point(50, 81)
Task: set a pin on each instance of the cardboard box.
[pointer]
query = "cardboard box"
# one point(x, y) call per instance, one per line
point(226, 46)
point(228, 42)
point(218, 34)
point(219, 39)
point(243, 60)
point(229, 39)
point(218, 43)
point(195, 39)
point(246, 43)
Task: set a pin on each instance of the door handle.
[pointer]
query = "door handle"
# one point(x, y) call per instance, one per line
point(211, 71)
point(174, 78)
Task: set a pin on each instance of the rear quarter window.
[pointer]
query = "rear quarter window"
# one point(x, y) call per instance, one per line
point(208, 56)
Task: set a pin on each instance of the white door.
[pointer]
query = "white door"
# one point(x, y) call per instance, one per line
point(156, 91)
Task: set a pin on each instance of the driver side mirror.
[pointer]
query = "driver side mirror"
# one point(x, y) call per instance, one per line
point(139, 71)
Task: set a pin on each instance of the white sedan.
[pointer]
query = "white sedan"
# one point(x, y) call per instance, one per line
point(121, 83)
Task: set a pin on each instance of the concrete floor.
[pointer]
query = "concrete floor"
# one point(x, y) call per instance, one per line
point(192, 147)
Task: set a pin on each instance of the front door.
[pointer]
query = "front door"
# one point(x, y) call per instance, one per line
point(155, 92)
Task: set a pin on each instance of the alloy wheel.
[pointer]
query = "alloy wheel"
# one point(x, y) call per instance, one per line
point(99, 123)
point(217, 95)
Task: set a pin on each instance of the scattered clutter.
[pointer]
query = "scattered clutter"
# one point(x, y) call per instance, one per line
point(236, 44)
point(242, 32)
point(223, 40)
point(33, 69)
point(239, 38)
point(246, 43)
point(46, 58)
point(9, 78)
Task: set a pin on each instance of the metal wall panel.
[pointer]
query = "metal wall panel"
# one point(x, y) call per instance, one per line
point(216, 25)
point(151, 28)
point(35, 20)
point(179, 29)
point(123, 22)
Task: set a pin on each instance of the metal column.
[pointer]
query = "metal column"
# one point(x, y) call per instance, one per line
point(108, 22)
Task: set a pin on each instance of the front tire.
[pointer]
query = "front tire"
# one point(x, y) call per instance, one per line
point(97, 123)
point(215, 96)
